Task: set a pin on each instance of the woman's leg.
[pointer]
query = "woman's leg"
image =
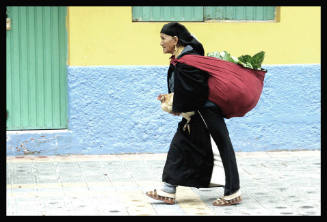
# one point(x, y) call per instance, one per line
point(189, 161)
point(219, 132)
point(168, 188)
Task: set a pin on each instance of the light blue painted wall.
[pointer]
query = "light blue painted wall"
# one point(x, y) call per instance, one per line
point(113, 109)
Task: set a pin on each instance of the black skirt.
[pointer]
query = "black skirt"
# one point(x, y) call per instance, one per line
point(190, 158)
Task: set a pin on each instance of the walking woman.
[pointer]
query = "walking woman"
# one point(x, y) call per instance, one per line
point(190, 158)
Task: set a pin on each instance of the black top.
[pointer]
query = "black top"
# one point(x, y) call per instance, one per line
point(189, 84)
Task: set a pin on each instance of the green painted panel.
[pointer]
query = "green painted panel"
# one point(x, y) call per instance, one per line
point(197, 13)
point(256, 13)
point(269, 12)
point(36, 57)
point(167, 13)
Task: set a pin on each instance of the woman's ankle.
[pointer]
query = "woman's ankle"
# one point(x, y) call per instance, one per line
point(168, 188)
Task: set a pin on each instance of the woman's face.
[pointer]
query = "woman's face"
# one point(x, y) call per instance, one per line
point(168, 43)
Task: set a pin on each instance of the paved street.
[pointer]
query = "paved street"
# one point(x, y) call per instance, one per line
point(272, 183)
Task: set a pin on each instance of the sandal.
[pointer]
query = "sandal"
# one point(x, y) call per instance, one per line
point(161, 195)
point(228, 200)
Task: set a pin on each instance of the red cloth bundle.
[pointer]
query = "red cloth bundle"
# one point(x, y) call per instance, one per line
point(235, 89)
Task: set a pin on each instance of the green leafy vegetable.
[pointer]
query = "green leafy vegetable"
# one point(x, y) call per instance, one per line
point(251, 62)
point(257, 59)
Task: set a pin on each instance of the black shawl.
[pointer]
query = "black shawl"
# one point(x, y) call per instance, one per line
point(190, 86)
point(190, 159)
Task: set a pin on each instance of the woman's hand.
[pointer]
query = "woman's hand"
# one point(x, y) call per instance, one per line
point(159, 97)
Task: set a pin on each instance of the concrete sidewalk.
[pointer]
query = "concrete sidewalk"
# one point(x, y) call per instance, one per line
point(272, 183)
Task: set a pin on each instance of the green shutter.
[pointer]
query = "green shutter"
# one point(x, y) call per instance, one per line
point(36, 52)
point(166, 13)
point(256, 13)
point(198, 13)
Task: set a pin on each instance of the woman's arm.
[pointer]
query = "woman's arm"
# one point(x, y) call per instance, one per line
point(190, 88)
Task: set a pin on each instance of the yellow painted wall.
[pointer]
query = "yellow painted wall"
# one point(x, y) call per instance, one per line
point(107, 36)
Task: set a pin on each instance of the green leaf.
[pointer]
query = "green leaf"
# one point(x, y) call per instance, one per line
point(214, 54)
point(235, 60)
point(257, 59)
point(227, 57)
point(244, 58)
point(248, 65)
